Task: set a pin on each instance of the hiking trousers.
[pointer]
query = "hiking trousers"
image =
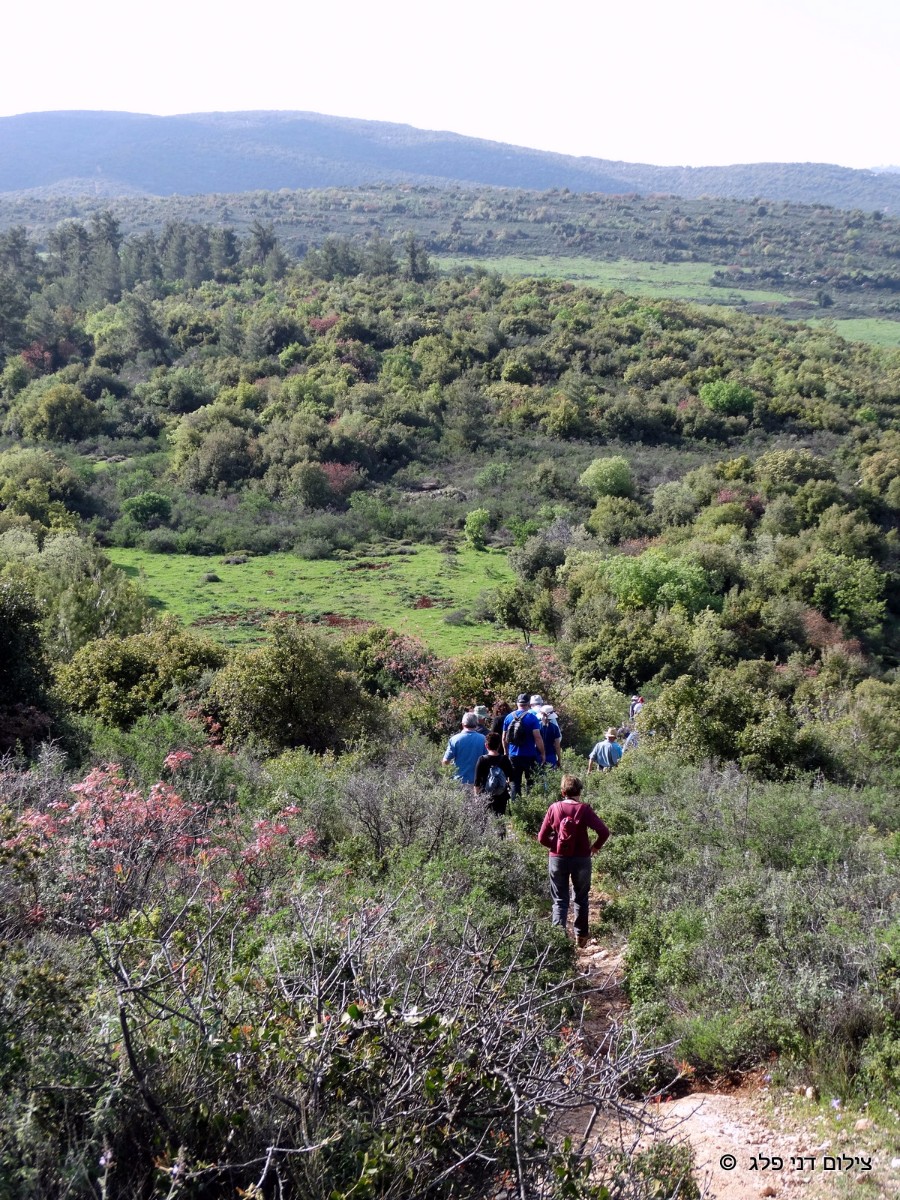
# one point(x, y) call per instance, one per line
point(577, 871)
point(522, 765)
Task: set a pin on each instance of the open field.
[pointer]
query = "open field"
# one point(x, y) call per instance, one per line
point(412, 589)
point(877, 331)
point(677, 281)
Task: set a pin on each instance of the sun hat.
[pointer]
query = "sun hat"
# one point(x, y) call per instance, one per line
point(547, 710)
point(481, 712)
point(611, 734)
point(537, 701)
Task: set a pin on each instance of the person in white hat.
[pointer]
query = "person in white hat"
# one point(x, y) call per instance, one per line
point(605, 754)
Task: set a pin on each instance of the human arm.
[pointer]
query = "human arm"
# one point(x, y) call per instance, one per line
point(481, 773)
point(600, 828)
point(539, 744)
point(449, 754)
point(547, 834)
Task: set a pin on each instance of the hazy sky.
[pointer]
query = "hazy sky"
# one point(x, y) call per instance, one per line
point(662, 81)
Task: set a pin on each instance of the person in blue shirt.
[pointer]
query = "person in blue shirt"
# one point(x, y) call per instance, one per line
point(552, 735)
point(605, 754)
point(464, 749)
point(523, 742)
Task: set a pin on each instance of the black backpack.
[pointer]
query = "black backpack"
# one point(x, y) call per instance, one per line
point(496, 783)
point(520, 735)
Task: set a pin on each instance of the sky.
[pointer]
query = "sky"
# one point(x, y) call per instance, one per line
point(670, 82)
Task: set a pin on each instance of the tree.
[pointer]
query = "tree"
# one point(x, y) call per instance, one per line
point(477, 523)
point(728, 397)
point(62, 414)
point(608, 477)
point(514, 607)
point(24, 673)
point(119, 679)
point(147, 507)
point(297, 690)
point(418, 265)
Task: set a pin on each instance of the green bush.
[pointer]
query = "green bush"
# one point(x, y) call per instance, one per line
point(727, 397)
point(296, 690)
point(119, 679)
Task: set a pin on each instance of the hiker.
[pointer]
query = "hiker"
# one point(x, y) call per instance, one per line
point(481, 712)
point(605, 754)
point(464, 749)
point(499, 713)
point(493, 772)
point(635, 700)
point(565, 833)
point(632, 739)
point(523, 742)
point(552, 735)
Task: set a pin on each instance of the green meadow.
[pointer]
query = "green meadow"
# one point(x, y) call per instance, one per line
point(422, 590)
point(877, 331)
point(679, 281)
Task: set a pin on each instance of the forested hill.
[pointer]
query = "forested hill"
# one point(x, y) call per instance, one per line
point(119, 153)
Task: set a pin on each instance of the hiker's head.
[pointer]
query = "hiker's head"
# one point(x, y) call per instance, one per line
point(481, 712)
point(547, 712)
point(501, 709)
point(494, 741)
point(523, 699)
point(570, 786)
point(469, 721)
point(537, 701)
point(612, 734)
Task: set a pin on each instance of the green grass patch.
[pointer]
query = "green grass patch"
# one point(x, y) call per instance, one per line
point(877, 331)
point(413, 592)
point(682, 281)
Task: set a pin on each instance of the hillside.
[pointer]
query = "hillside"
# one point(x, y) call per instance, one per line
point(257, 519)
point(115, 153)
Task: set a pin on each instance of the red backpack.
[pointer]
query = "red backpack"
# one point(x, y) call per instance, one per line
point(569, 825)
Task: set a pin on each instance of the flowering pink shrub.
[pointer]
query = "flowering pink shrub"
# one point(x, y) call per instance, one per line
point(321, 325)
point(342, 478)
point(109, 847)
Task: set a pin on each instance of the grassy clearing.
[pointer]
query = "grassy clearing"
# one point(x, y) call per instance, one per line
point(877, 331)
point(388, 588)
point(681, 281)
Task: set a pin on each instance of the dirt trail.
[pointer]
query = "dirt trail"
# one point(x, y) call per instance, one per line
point(739, 1123)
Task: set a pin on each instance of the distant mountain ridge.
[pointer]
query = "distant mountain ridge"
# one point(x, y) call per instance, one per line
point(109, 153)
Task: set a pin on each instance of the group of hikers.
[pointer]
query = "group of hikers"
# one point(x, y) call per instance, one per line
point(499, 752)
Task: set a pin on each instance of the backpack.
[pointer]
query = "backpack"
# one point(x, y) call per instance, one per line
point(496, 783)
point(520, 735)
point(567, 833)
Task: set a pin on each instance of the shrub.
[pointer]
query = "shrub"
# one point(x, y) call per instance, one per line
point(727, 397)
point(119, 679)
point(297, 690)
point(608, 477)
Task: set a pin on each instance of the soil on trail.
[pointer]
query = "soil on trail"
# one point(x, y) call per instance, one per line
point(720, 1126)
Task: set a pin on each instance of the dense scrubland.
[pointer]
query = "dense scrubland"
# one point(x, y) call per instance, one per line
point(797, 260)
point(252, 940)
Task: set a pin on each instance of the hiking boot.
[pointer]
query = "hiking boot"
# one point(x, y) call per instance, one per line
point(583, 940)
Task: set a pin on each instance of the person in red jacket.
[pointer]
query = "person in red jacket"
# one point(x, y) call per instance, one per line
point(566, 834)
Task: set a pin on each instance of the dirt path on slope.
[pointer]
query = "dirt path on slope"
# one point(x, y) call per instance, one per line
point(735, 1127)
